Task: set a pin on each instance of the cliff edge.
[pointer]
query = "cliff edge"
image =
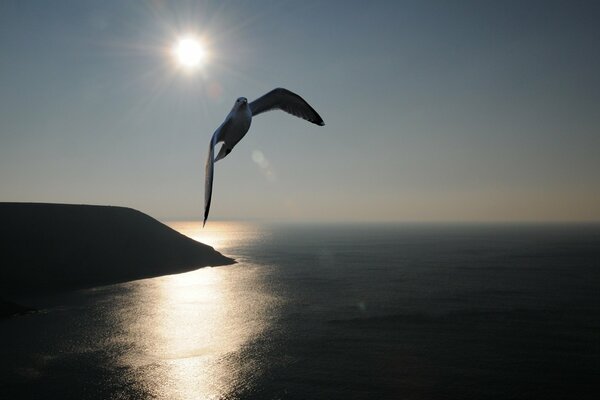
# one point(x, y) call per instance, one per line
point(51, 247)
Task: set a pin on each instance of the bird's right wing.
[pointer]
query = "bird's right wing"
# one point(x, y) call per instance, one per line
point(287, 101)
point(209, 173)
point(210, 165)
point(217, 137)
point(208, 178)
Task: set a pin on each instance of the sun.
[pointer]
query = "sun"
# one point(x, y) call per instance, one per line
point(189, 52)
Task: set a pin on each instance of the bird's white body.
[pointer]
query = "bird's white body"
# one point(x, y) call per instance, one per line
point(241, 118)
point(234, 128)
point(237, 123)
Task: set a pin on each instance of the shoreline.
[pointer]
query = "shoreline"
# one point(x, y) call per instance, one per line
point(50, 248)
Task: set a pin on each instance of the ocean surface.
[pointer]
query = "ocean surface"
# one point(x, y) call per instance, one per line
point(330, 312)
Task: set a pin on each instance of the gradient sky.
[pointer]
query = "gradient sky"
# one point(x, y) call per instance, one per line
point(435, 111)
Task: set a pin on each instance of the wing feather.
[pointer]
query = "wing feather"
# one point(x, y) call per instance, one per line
point(217, 137)
point(285, 100)
point(209, 174)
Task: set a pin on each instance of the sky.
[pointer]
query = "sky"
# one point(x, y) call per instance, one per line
point(469, 111)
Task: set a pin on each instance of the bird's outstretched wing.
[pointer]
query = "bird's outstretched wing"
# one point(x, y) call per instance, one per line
point(210, 166)
point(208, 179)
point(287, 101)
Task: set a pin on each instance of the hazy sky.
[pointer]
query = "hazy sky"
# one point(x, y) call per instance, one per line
point(449, 110)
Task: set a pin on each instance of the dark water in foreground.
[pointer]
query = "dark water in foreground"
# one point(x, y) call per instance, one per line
point(344, 312)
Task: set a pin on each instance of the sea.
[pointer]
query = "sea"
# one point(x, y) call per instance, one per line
point(330, 311)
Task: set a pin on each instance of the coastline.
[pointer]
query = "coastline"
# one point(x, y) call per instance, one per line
point(55, 247)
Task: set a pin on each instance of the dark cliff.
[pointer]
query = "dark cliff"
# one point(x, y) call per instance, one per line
point(50, 247)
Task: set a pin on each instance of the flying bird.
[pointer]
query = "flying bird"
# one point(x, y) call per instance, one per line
point(238, 121)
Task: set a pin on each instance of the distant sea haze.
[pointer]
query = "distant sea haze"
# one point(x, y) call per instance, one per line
point(330, 312)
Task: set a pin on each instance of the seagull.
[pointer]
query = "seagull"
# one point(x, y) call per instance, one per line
point(238, 121)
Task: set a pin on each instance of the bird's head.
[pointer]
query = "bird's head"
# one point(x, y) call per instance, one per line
point(241, 102)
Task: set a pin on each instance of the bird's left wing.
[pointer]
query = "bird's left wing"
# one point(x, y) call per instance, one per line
point(287, 101)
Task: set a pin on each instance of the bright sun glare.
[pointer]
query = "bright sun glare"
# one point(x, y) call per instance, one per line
point(189, 52)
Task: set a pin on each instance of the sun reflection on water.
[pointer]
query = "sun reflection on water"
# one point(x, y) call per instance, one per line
point(224, 236)
point(187, 330)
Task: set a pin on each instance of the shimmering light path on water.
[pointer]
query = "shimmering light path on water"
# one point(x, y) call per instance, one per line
point(192, 326)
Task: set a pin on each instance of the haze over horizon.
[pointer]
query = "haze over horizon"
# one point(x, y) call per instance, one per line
point(434, 111)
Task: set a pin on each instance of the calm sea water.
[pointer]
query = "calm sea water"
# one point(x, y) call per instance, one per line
point(330, 312)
